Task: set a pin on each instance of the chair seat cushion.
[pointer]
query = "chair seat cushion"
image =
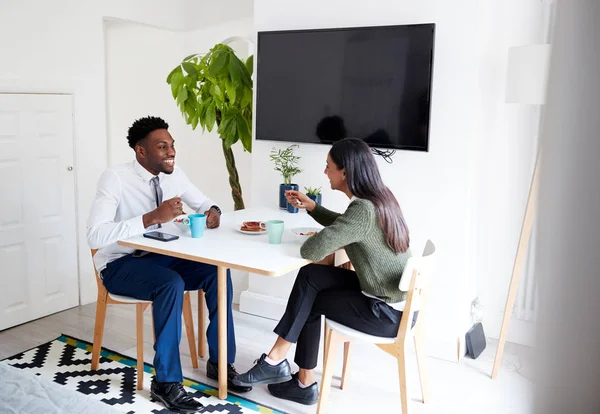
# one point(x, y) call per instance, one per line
point(127, 299)
point(361, 336)
point(416, 304)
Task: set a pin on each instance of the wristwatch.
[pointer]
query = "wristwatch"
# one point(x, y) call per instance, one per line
point(217, 208)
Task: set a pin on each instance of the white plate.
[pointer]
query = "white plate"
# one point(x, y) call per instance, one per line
point(301, 231)
point(254, 233)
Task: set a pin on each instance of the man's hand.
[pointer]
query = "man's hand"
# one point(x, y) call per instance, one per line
point(166, 212)
point(213, 218)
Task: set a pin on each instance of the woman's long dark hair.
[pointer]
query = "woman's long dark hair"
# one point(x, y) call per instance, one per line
point(364, 181)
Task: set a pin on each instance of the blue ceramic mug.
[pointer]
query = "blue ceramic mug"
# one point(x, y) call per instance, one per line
point(197, 225)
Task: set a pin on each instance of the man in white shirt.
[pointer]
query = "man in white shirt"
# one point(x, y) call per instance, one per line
point(131, 199)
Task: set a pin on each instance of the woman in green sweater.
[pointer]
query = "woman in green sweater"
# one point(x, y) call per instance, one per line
point(373, 233)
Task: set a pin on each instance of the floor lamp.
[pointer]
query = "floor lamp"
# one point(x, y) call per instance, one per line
point(526, 84)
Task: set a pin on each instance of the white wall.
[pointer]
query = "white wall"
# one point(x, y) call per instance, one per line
point(505, 153)
point(441, 192)
point(136, 87)
point(475, 137)
point(433, 188)
point(138, 60)
point(202, 14)
point(58, 46)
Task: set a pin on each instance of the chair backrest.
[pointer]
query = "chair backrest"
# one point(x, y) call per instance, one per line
point(424, 266)
point(98, 280)
point(415, 279)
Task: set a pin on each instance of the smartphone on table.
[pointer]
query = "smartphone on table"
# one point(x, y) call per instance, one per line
point(160, 236)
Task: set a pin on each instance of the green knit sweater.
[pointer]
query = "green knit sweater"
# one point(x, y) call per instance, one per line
point(377, 266)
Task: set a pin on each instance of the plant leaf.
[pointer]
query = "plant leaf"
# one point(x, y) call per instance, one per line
point(215, 85)
point(176, 81)
point(190, 110)
point(174, 90)
point(236, 70)
point(202, 112)
point(182, 95)
point(243, 131)
point(218, 63)
point(216, 91)
point(211, 116)
point(228, 128)
point(246, 98)
point(250, 65)
point(173, 72)
point(231, 90)
point(232, 137)
point(190, 68)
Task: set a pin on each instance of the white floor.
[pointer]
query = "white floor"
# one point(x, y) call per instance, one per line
point(463, 387)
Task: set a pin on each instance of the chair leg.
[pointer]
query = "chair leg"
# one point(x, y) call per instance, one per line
point(201, 329)
point(324, 344)
point(189, 327)
point(99, 328)
point(345, 369)
point(402, 378)
point(420, 351)
point(326, 333)
point(331, 346)
point(153, 330)
point(139, 320)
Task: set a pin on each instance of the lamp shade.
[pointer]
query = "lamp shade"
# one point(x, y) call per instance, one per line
point(527, 75)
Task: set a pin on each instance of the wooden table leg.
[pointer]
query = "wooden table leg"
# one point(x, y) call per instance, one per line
point(222, 320)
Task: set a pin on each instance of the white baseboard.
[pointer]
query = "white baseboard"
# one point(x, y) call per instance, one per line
point(442, 348)
point(265, 306)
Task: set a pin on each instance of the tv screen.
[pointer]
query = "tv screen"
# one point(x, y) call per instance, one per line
point(373, 83)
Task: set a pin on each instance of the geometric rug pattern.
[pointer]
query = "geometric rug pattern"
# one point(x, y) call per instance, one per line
point(67, 361)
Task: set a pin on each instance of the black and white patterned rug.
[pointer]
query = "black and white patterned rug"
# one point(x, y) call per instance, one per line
point(67, 361)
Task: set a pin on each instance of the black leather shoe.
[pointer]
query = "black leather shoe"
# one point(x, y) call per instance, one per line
point(292, 391)
point(174, 397)
point(212, 372)
point(264, 373)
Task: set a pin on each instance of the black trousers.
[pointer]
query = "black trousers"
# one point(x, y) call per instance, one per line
point(333, 292)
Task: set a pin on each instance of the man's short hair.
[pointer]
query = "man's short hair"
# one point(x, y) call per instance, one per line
point(142, 127)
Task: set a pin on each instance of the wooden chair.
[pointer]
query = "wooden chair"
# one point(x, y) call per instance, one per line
point(414, 280)
point(105, 298)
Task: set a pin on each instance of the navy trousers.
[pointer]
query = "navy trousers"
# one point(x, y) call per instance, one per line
point(163, 280)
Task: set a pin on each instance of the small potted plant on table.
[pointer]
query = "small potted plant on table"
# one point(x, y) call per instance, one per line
point(314, 194)
point(286, 162)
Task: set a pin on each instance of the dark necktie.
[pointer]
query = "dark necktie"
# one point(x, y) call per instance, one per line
point(157, 193)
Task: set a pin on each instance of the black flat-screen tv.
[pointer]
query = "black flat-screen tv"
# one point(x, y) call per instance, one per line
point(373, 83)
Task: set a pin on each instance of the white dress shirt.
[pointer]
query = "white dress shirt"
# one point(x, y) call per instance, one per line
point(123, 196)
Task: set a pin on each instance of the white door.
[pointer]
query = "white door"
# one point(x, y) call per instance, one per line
point(38, 248)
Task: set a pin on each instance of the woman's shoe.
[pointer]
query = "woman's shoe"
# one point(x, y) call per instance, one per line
point(264, 373)
point(292, 391)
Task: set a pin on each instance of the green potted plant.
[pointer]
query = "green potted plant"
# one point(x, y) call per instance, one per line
point(314, 194)
point(216, 88)
point(286, 162)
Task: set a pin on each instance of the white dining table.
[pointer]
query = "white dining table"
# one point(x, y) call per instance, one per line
point(228, 248)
